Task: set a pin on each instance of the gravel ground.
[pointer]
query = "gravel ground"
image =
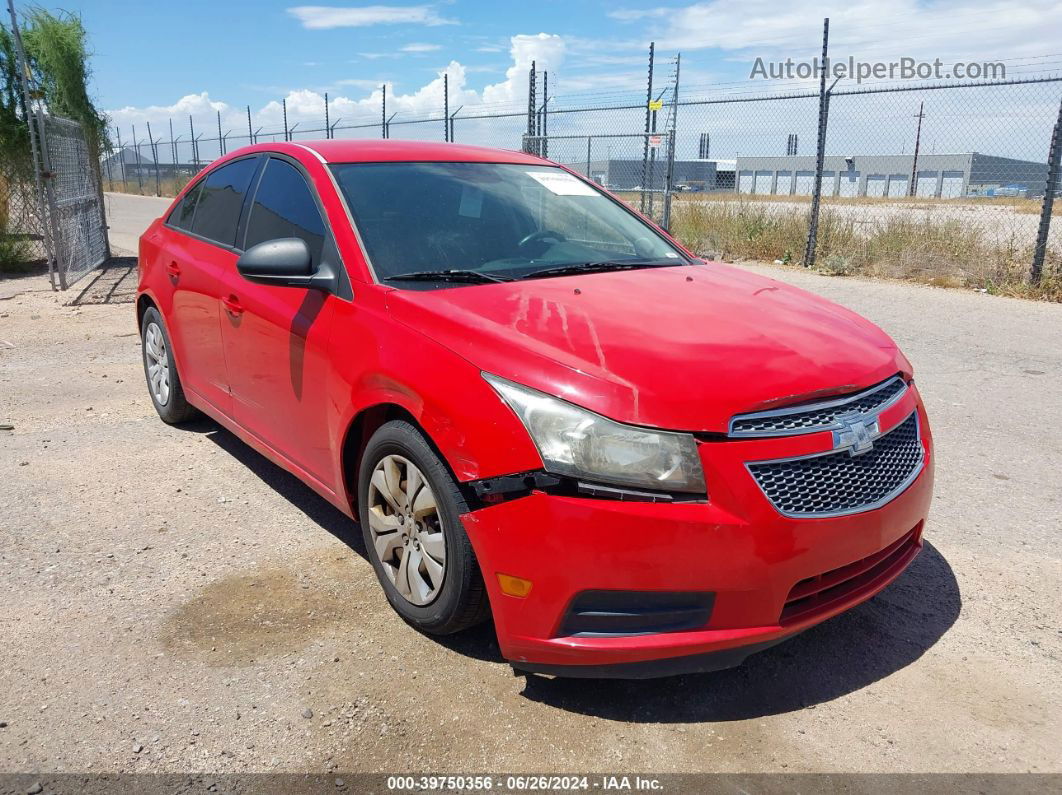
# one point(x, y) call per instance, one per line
point(175, 603)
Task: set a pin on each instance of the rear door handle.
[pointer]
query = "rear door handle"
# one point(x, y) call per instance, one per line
point(232, 305)
point(173, 269)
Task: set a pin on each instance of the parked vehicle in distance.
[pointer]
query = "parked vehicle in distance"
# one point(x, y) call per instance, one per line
point(537, 404)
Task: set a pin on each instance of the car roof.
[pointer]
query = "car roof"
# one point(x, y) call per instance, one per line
point(390, 150)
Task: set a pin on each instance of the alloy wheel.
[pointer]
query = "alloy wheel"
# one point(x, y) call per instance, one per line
point(407, 529)
point(158, 363)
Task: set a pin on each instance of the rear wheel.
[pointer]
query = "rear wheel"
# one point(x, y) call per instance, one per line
point(164, 385)
point(409, 509)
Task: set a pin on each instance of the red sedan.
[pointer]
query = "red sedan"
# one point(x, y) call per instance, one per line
point(538, 405)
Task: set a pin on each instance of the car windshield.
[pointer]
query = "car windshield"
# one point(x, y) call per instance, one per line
point(429, 225)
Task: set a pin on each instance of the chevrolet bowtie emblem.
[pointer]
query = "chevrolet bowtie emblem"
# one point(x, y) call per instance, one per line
point(856, 434)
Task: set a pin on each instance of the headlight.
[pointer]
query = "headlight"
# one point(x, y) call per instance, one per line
point(576, 442)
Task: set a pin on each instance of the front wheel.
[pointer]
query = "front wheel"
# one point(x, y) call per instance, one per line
point(409, 508)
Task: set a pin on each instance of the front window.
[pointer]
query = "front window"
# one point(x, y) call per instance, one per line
point(491, 222)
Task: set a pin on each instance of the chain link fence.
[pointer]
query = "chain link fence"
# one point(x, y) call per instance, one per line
point(74, 200)
point(945, 183)
point(21, 229)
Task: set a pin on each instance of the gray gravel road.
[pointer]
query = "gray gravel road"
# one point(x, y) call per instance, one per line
point(173, 602)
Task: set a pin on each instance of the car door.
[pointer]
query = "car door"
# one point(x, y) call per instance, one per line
point(200, 252)
point(276, 338)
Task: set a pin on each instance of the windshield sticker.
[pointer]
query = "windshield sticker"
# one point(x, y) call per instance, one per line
point(561, 183)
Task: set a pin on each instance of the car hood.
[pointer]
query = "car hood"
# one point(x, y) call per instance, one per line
point(682, 348)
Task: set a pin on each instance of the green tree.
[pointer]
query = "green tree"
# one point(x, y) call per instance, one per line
point(56, 47)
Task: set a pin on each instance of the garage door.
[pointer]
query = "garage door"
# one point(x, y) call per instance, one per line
point(763, 181)
point(897, 185)
point(952, 185)
point(785, 183)
point(927, 183)
point(805, 183)
point(849, 184)
point(876, 184)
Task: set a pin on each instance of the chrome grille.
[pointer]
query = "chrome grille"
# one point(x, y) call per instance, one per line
point(834, 484)
point(821, 416)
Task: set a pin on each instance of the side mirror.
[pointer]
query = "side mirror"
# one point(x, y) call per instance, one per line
point(285, 262)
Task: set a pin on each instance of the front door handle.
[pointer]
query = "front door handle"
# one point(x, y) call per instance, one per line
point(232, 305)
point(173, 270)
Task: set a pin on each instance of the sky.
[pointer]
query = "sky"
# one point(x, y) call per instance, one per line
point(154, 61)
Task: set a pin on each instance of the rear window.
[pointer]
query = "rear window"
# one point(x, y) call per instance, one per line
point(220, 200)
point(183, 213)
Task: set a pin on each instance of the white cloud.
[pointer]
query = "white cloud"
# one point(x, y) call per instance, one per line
point(419, 47)
point(326, 17)
point(200, 106)
point(547, 50)
point(305, 106)
point(869, 29)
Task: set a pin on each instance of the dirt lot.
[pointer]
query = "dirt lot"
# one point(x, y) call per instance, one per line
point(173, 602)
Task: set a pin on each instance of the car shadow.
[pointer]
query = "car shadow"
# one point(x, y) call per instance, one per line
point(478, 643)
point(845, 654)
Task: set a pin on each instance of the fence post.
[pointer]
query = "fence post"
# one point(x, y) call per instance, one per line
point(816, 191)
point(221, 141)
point(452, 117)
point(328, 125)
point(139, 164)
point(155, 157)
point(383, 112)
point(195, 143)
point(544, 127)
point(648, 121)
point(1053, 162)
point(669, 178)
point(173, 154)
point(121, 159)
point(588, 139)
point(529, 144)
point(284, 105)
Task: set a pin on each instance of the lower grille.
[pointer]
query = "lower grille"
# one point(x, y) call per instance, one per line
point(617, 613)
point(834, 484)
point(824, 591)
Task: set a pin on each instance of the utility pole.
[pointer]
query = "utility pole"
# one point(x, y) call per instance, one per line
point(913, 188)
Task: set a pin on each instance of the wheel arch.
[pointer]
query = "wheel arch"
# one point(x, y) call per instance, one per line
point(361, 428)
point(143, 303)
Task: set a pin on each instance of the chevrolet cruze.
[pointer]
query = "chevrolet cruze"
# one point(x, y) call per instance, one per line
point(538, 406)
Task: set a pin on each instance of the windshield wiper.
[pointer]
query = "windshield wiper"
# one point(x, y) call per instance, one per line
point(592, 267)
point(448, 275)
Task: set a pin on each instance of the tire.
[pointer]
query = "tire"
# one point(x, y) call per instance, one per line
point(459, 599)
point(167, 395)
